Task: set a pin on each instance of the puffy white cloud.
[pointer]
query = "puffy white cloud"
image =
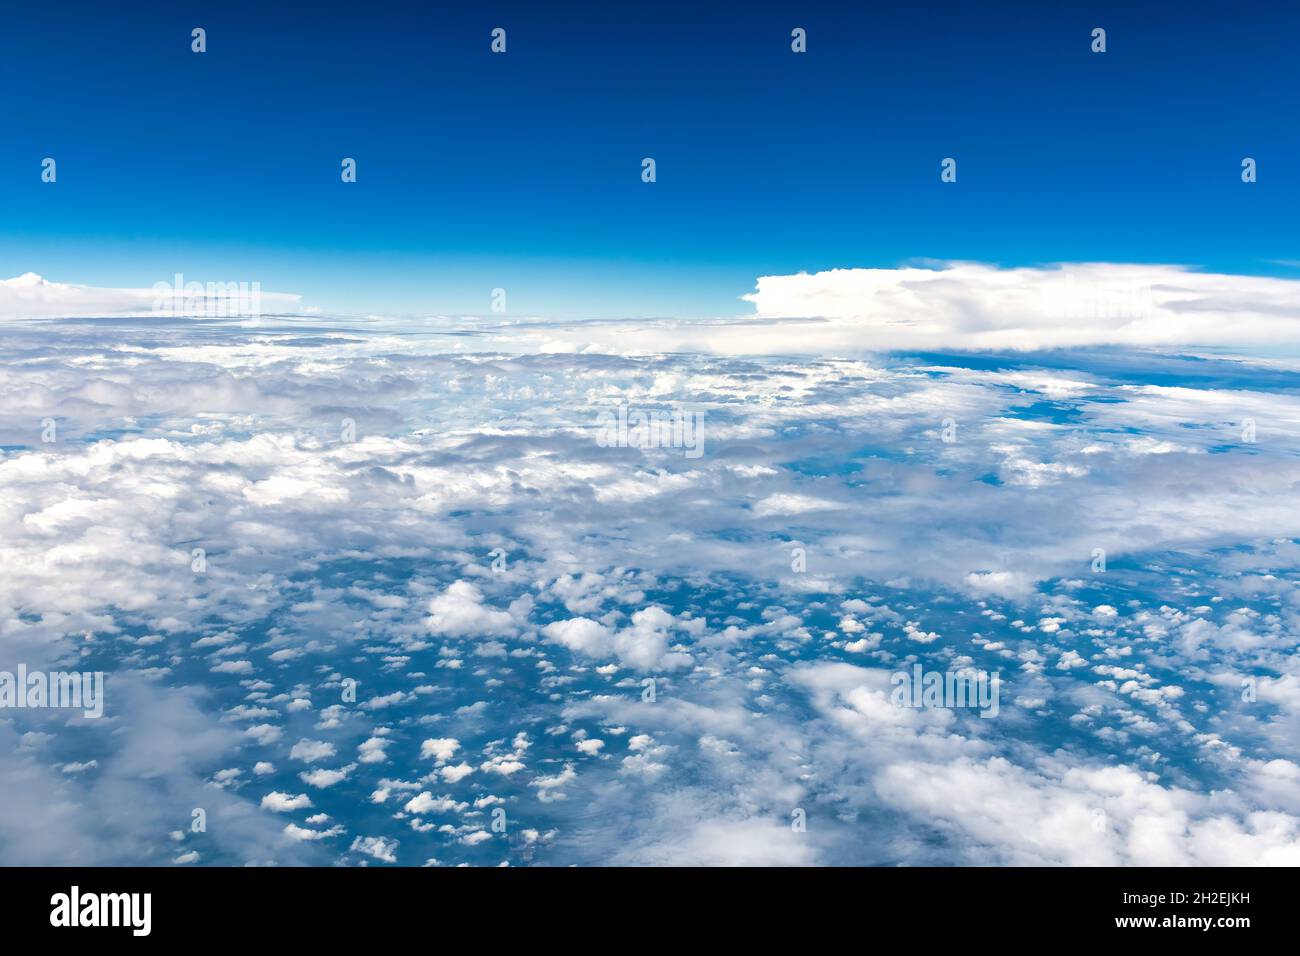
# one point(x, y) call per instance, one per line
point(303, 834)
point(581, 634)
point(323, 779)
point(284, 802)
point(642, 645)
point(425, 802)
point(440, 749)
point(456, 773)
point(976, 306)
point(233, 667)
point(264, 734)
point(460, 612)
point(373, 750)
point(380, 848)
point(310, 751)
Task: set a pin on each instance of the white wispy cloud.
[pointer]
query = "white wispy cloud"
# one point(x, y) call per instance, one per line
point(30, 296)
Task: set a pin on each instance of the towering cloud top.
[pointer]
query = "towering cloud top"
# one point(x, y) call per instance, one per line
point(974, 306)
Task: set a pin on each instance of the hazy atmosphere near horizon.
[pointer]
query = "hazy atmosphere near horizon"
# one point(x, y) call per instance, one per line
point(650, 434)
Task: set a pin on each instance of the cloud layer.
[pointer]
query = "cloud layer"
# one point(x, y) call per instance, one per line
point(387, 585)
point(29, 296)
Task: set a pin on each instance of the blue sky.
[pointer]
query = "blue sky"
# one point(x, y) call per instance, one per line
point(522, 171)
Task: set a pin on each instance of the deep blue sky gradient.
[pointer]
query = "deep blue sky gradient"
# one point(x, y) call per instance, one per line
point(523, 170)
